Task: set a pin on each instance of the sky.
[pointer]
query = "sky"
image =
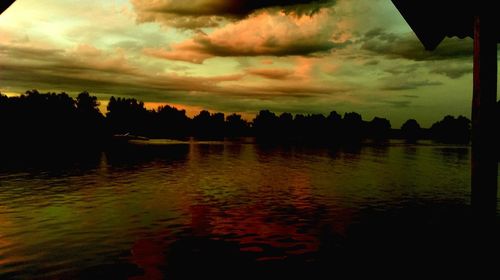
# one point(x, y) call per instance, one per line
point(298, 56)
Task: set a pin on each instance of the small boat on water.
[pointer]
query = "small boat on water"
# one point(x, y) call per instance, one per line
point(127, 136)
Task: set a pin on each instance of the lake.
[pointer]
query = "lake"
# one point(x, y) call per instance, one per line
point(233, 210)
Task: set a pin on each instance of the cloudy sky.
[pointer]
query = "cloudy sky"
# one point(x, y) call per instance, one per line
point(299, 56)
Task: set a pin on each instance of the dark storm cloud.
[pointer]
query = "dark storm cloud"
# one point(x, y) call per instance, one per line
point(409, 96)
point(207, 13)
point(239, 8)
point(408, 47)
point(83, 69)
point(403, 69)
point(78, 69)
point(451, 70)
point(407, 85)
point(398, 104)
point(28, 52)
point(273, 47)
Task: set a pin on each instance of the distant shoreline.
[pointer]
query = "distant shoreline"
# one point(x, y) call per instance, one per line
point(51, 120)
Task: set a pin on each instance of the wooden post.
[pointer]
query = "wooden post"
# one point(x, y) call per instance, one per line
point(484, 155)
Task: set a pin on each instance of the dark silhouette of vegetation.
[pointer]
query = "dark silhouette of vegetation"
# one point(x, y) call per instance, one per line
point(170, 123)
point(411, 130)
point(206, 125)
point(128, 116)
point(265, 125)
point(90, 121)
point(318, 128)
point(236, 126)
point(353, 127)
point(57, 120)
point(379, 128)
point(333, 125)
point(452, 130)
point(51, 120)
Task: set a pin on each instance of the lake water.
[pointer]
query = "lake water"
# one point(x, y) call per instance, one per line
point(215, 209)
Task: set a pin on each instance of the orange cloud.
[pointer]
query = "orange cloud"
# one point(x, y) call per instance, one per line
point(267, 61)
point(186, 51)
point(265, 33)
point(271, 73)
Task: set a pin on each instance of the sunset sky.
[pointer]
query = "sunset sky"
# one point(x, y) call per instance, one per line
point(297, 56)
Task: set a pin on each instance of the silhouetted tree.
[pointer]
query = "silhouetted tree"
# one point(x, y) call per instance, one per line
point(89, 120)
point(334, 126)
point(208, 125)
point(201, 124)
point(411, 130)
point(236, 126)
point(317, 124)
point(170, 123)
point(266, 124)
point(300, 126)
point(353, 127)
point(285, 125)
point(217, 124)
point(452, 130)
point(379, 128)
point(127, 115)
point(52, 121)
point(87, 104)
point(49, 119)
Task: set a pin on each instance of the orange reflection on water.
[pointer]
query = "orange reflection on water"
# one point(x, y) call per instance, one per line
point(255, 232)
point(6, 244)
point(201, 216)
point(262, 224)
point(148, 255)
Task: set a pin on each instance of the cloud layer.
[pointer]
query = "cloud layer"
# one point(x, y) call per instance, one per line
point(407, 46)
point(236, 56)
point(263, 34)
point(209, 13)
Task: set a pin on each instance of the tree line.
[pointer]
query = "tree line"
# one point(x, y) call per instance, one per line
point(46, 119)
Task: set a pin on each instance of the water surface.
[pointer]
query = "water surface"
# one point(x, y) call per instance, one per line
point(177, 210)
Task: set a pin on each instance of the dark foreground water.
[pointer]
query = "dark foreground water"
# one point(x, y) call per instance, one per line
point(234, 211)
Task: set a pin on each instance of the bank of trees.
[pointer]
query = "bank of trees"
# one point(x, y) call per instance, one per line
point(44, 120)
point(47, 119)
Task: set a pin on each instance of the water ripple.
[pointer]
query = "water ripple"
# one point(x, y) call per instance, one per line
point(234, 203)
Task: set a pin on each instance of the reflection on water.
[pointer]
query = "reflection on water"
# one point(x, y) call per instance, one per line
point(175, 211)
